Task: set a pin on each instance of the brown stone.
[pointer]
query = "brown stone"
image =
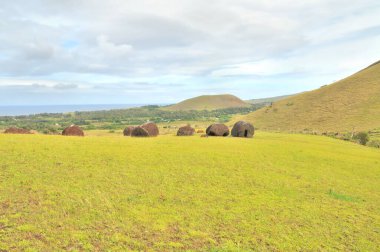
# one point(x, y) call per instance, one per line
point(73, 130)
point(151, 128)
point(185, 131)
point(14, 130)
point(218, 129)
point(243, 129)
point(128, 131)
point(139, 132)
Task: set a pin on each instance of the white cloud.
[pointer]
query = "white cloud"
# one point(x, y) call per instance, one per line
point(110, 49)
point(239, 46)
point(260, 68)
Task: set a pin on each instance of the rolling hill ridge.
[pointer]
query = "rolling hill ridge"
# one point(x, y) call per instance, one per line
point(351, 104)
point(268, 100)
point(209, 102)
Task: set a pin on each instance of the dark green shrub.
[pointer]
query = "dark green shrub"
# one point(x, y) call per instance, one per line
point(362, 138)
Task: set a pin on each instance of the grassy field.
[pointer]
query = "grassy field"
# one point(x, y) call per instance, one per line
point(351, 104)
point(276, 192)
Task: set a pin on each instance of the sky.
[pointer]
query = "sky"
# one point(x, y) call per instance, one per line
point(164, 51)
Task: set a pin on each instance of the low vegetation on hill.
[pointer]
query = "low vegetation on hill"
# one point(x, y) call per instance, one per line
point(118, 119)
point(370, 138)
point(349, 105)
point(275, 192)
point(209, 102)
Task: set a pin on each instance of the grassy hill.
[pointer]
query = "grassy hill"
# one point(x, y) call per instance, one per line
point(276, 192)
point(349, 104)
point(268, 100)
point(209, 102)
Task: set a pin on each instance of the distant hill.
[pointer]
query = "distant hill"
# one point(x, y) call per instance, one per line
point(268, 100)
point(349, 104)
point(209, 102)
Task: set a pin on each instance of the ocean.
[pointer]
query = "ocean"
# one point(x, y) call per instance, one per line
point(33, 109)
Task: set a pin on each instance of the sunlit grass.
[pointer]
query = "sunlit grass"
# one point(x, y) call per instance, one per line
point(107, 192)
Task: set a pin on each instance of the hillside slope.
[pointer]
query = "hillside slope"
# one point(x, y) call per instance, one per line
point(349, 104)
point(209, 102)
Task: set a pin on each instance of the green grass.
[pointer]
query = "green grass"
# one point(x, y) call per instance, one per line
point(351, 104)
point(338, 196)
point(275, 192)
